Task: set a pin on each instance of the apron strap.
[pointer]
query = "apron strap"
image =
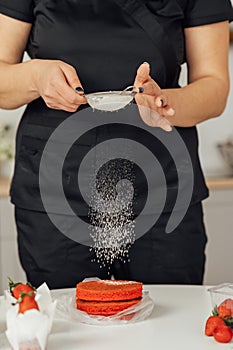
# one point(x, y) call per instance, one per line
point(148, 22)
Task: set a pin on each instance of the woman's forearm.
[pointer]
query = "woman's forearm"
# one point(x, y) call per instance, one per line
point(201, 100)
point(53, 80)
point(16, 84)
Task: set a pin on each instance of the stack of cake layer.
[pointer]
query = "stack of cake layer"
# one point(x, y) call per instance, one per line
point(107, 297)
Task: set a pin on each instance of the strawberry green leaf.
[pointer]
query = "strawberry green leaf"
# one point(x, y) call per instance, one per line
point(215, 311)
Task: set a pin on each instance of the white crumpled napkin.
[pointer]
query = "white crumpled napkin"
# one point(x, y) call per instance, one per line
point(31, 329)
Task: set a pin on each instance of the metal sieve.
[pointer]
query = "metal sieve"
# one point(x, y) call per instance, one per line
point(111, 101)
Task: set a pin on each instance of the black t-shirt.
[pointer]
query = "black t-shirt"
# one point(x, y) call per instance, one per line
point(111, 36)
point(59, 26)
point(196, 12)
point(106, 44)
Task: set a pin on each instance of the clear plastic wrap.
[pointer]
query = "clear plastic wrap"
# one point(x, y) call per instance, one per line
point(66, 309)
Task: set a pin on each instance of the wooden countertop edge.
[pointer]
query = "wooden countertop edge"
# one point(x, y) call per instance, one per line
point(220, 183)
point(213, 184)
point(4, 187)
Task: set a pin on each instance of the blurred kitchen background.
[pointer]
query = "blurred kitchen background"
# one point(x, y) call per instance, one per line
point(218, 207)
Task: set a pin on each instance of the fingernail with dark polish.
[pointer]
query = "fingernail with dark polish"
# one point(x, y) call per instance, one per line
point(79, 89)
point(140, 89)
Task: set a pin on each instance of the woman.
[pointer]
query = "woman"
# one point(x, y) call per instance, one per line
point(95, 45)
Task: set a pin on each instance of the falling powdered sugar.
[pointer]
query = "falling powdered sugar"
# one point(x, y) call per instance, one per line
point(112, 227)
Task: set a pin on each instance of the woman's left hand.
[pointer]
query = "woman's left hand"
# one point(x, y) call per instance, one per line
point(152, 103)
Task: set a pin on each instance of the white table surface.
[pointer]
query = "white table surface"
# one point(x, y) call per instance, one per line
point(176, 323)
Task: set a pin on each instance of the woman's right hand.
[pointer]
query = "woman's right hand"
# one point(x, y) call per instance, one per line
point(56, 82)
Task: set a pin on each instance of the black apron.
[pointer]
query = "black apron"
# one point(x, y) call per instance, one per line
point(105, 42)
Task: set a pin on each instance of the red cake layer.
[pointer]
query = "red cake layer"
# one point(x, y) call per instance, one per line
point(106, 308)
point(109, 290)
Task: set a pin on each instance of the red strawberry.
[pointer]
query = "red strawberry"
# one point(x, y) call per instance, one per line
point(222, 334)
point(225, 309)
point(18, 288)
point(27, 302)
point(22, 288)
point(211, 323)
